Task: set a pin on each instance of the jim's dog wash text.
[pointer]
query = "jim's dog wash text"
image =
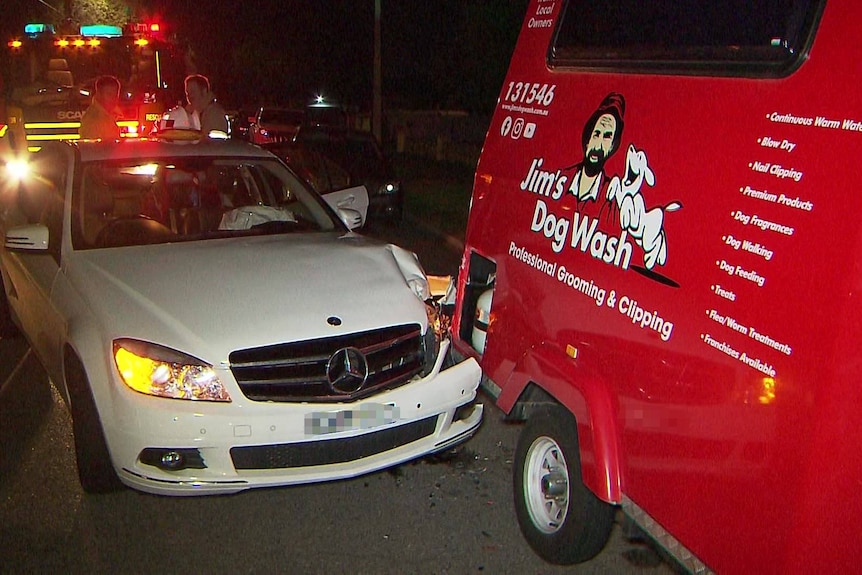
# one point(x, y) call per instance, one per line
point(624, 304)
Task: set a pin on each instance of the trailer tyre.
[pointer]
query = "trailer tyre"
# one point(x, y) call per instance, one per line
point(560, 518)
point(95, 468)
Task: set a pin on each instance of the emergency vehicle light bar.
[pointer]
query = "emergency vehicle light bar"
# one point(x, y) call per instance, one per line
point(101, 30)
point(36, 29)
point(144, 28)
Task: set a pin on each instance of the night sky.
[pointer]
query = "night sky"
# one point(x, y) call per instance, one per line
point(447, 54)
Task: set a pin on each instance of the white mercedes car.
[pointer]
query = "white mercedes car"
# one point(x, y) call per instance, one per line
point(214, 325)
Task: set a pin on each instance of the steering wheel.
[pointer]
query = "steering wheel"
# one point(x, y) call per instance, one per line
point(131, 231)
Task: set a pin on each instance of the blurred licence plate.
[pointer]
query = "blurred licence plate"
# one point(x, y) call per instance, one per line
point(364, 417)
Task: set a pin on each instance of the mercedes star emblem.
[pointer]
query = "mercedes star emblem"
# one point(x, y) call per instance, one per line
point(347, 370)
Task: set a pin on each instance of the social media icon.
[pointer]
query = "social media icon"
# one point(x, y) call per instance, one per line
point(506, 127)
point(518, 128)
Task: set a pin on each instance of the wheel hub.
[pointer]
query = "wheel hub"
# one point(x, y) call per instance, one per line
point(555, 484)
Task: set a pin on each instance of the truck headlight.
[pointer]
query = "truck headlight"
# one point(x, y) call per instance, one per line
point(163, 372)
point(17, 169)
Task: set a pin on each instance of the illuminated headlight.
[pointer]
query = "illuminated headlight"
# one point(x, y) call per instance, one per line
point(17, 170)
point(155, 370)
point(388, 188)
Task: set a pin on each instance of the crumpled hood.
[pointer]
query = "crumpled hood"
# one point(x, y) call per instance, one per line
point(212, 297)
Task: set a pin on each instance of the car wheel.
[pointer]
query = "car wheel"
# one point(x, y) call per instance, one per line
point(95, 469)
point(562, 520)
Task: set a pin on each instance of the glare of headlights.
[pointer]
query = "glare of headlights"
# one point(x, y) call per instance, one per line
point(17, 169)
point(172, 379)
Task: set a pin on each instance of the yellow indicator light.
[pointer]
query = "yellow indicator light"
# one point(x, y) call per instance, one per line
point(93, 42)
point(44, 125)
point(61, 43)
point(78, 43)
point(141, 42)
point(128, 123)
point(164, 379)
point(137, 372)
point(15, 44)
point(572, 351)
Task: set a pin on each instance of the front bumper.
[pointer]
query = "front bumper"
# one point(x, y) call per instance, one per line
point(246, 444)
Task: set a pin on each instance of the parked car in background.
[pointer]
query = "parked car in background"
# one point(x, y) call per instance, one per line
point(326, 115)
point(360, 155)
point(320, 172)
point(214, 326)
point(274, 124)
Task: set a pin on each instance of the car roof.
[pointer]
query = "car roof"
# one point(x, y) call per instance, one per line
point(91, 150)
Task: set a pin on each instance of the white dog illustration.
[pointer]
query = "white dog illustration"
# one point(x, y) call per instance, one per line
point(645, 226)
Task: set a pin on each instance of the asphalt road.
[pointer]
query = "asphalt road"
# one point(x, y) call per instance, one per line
point(452, 513)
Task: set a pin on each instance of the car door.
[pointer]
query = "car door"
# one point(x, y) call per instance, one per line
point(30, 275)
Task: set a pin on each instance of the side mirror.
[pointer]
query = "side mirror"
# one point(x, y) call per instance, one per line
point(351, 205)
point(32, 237)
point(351, 218)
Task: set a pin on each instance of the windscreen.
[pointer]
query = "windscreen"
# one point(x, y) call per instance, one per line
point(137, 202)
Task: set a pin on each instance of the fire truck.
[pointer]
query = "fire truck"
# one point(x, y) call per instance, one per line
point(51, 76)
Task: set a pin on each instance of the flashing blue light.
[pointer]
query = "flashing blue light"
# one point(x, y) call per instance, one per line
point(36, 29)
point(101, 30)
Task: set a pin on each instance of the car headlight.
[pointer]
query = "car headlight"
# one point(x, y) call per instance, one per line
point(163, 372)
point(388, 188)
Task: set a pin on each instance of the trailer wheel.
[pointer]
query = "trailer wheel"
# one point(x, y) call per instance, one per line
point(562, 520)
point(95, 468)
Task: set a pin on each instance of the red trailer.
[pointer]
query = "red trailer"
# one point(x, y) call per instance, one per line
point(662, 277)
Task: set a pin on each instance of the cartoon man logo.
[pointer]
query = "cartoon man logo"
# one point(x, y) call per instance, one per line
point(622, 196)
point(600, 140)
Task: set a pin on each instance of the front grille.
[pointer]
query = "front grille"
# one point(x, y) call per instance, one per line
point(297, 371)
point(327, 452)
